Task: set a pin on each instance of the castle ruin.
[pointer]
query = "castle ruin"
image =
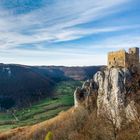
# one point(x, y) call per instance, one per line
point(124, 59)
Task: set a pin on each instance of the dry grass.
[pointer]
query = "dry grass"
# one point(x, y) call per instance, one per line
point(61, 126)
point(74, 124)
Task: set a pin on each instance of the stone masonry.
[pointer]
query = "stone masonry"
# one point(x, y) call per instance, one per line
point(124, 59)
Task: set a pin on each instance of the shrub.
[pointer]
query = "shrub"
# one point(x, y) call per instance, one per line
point(49, 136)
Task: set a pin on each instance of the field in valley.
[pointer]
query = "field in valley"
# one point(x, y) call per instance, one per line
point(43, 110)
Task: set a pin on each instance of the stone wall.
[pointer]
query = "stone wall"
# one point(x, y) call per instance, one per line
point(117, 58)
point(124, 59)
point(132, 58)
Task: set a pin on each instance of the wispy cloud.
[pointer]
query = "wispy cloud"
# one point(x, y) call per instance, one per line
point(40, 25)
point(54, 22)
point(77, 58)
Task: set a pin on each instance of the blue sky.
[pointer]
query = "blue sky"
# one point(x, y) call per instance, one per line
point(66, 32)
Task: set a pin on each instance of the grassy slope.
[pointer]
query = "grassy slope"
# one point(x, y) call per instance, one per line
point(75, 124)
point(43, 110)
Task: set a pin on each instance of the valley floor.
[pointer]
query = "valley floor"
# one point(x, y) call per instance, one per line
point(43, 110)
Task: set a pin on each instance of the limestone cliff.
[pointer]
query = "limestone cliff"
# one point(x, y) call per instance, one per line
point(113, 92)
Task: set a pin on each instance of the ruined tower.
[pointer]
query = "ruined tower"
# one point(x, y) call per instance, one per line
point(133, 57)
point(124, 59)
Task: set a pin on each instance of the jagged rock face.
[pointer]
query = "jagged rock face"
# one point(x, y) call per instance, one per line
point(111, 86)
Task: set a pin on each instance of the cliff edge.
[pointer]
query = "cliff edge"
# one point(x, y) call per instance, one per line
point(113, 92)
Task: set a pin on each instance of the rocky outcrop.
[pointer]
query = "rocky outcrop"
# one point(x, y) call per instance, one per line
point(112, 92)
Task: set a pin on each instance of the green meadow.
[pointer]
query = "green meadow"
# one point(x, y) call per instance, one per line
point(43, 110)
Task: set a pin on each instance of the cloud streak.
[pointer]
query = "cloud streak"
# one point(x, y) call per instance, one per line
point(54, 22)
point(30, 33)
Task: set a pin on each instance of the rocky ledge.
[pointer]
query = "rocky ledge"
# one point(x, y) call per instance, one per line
point(113, 92)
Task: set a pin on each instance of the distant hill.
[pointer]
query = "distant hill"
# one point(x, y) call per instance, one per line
point(22, 85)
point(63, 73)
